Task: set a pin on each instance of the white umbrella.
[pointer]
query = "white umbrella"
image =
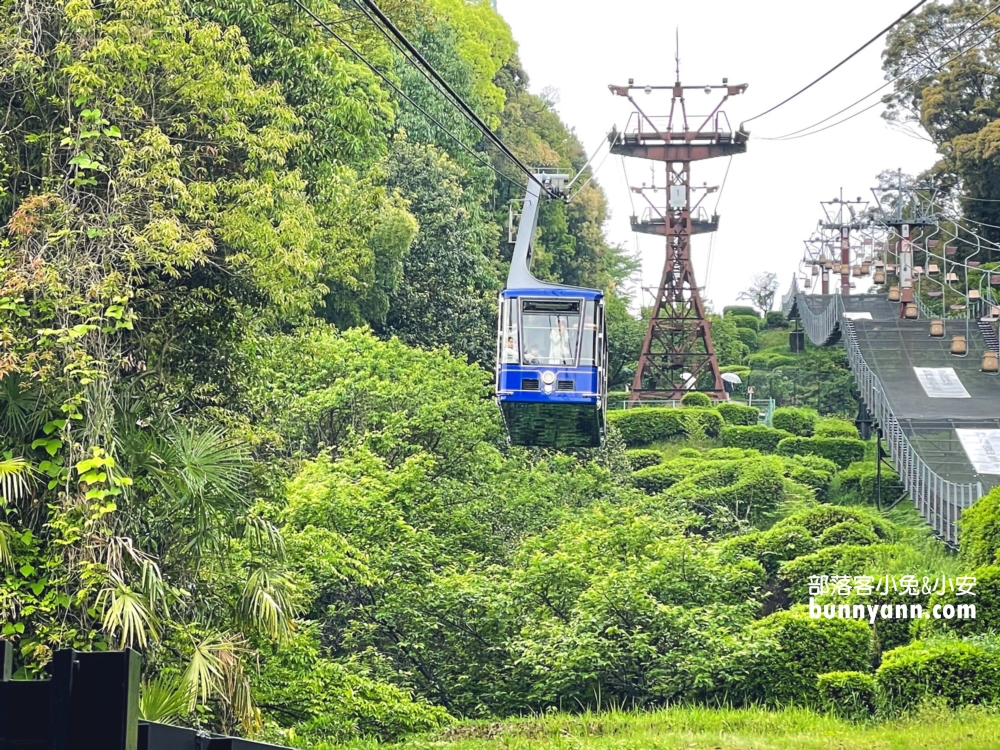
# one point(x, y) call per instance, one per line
point(731, 377)
point(689, 381)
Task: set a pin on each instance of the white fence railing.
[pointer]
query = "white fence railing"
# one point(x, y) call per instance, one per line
point(938, 500)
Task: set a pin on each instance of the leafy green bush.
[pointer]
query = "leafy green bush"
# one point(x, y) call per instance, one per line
point(775, 319)
point(780, 544)
point(645, 425)
point(986, 602)
point(843, 560)
point(805, 471)
point(769, 361)
point(689, 453)
point(747, 322)
point(822, 517)
point(739, 415)
point(799, 422)
point(979, 537)
point(729, 310)
point(849, 695)
point(655, 479)
point(748, 337)
point(642, 458)
point(842, 451)
point(959, 672)
point(696, 399)
point(758, 437)
point(856, 485)
point(728, 454)
point(848, 532)
point(791, 650)
point(725, 492)
point(833, 427)
point(740, 370)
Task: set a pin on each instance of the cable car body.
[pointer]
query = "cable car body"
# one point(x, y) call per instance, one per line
point(551, 374)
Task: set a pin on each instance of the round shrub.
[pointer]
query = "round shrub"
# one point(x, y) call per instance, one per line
point(849, 695)
point(815, 462)
point(960, 672)
point(655, 479)
point(740, 370)
point(689, 453)
point(739, 415)
point(749, 322)
point(644, 425)
point(643, 458)
point(769, 361)
point(842, 451)
point(818, 480)
point(799, 422)
point(728, 454)
point(758, 437)
point(740, 547)
point(979, 527)
point(740, 310)
point(792, 650)
point(843, 560)
point(775, 319)
point(986, 601)
point(822, 517)
point(748, 489)
point(847, 532)
point(856, 485)
point(781, 544)
point(833, 427)
point(695, 399)
point(749, 338)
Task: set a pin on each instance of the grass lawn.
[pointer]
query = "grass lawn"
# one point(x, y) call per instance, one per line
point(723, 729)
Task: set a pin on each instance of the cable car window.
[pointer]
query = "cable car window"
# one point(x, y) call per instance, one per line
point(508, 333)
point(588, 346)
point(550, 331)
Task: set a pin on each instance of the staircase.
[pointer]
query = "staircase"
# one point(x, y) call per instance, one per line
point(986, 328)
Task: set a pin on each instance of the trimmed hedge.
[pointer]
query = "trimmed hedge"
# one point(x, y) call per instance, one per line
point(747, 489)
point(758, 437)
point(655, 479)
point(833, 427)
point(615, 399)
point(844, 559)
point(842, 451)
point(849, 695)
point(792, 650)
point(847, 532)
point(979, 526)
point(642, 458)
point(778, 545)
point(740, 310)
point(775, 319)
point(749, 338)
point(813, 472)
point(728, 454)
point(822, 517)
point(749, 322)
point(740, 370)
point(769, 361)
point(799, 422)
point(986, 602)
point(739, 415)
point(857, 484)
point(646, 424)
point(696, 399)
point(959, 672)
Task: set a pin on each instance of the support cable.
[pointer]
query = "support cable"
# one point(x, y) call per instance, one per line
point(326, 27)
point(856, 52)
point(461, 104)
point(977, 22)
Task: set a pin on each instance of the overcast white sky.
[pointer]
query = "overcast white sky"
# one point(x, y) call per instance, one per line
point(771, 199)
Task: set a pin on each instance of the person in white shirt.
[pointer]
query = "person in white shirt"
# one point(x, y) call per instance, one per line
point(560, 351)
point(510, 352)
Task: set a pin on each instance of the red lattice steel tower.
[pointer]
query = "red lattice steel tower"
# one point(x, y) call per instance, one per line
point(677, 354)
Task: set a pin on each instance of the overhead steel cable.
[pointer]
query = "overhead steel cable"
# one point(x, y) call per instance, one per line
point(417, 59)
point(854, 54)
point(326, 27)
point(974, 24)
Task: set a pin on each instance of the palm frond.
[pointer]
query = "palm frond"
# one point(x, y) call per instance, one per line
point(164, 700)
point(6, 555)
point(267, 603)
point(15, 478)
point(126, 612)
point(204, 463)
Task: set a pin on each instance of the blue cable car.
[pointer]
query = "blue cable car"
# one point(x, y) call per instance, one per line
point(551, 375)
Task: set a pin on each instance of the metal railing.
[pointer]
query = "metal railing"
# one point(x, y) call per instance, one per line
point(938, 500)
